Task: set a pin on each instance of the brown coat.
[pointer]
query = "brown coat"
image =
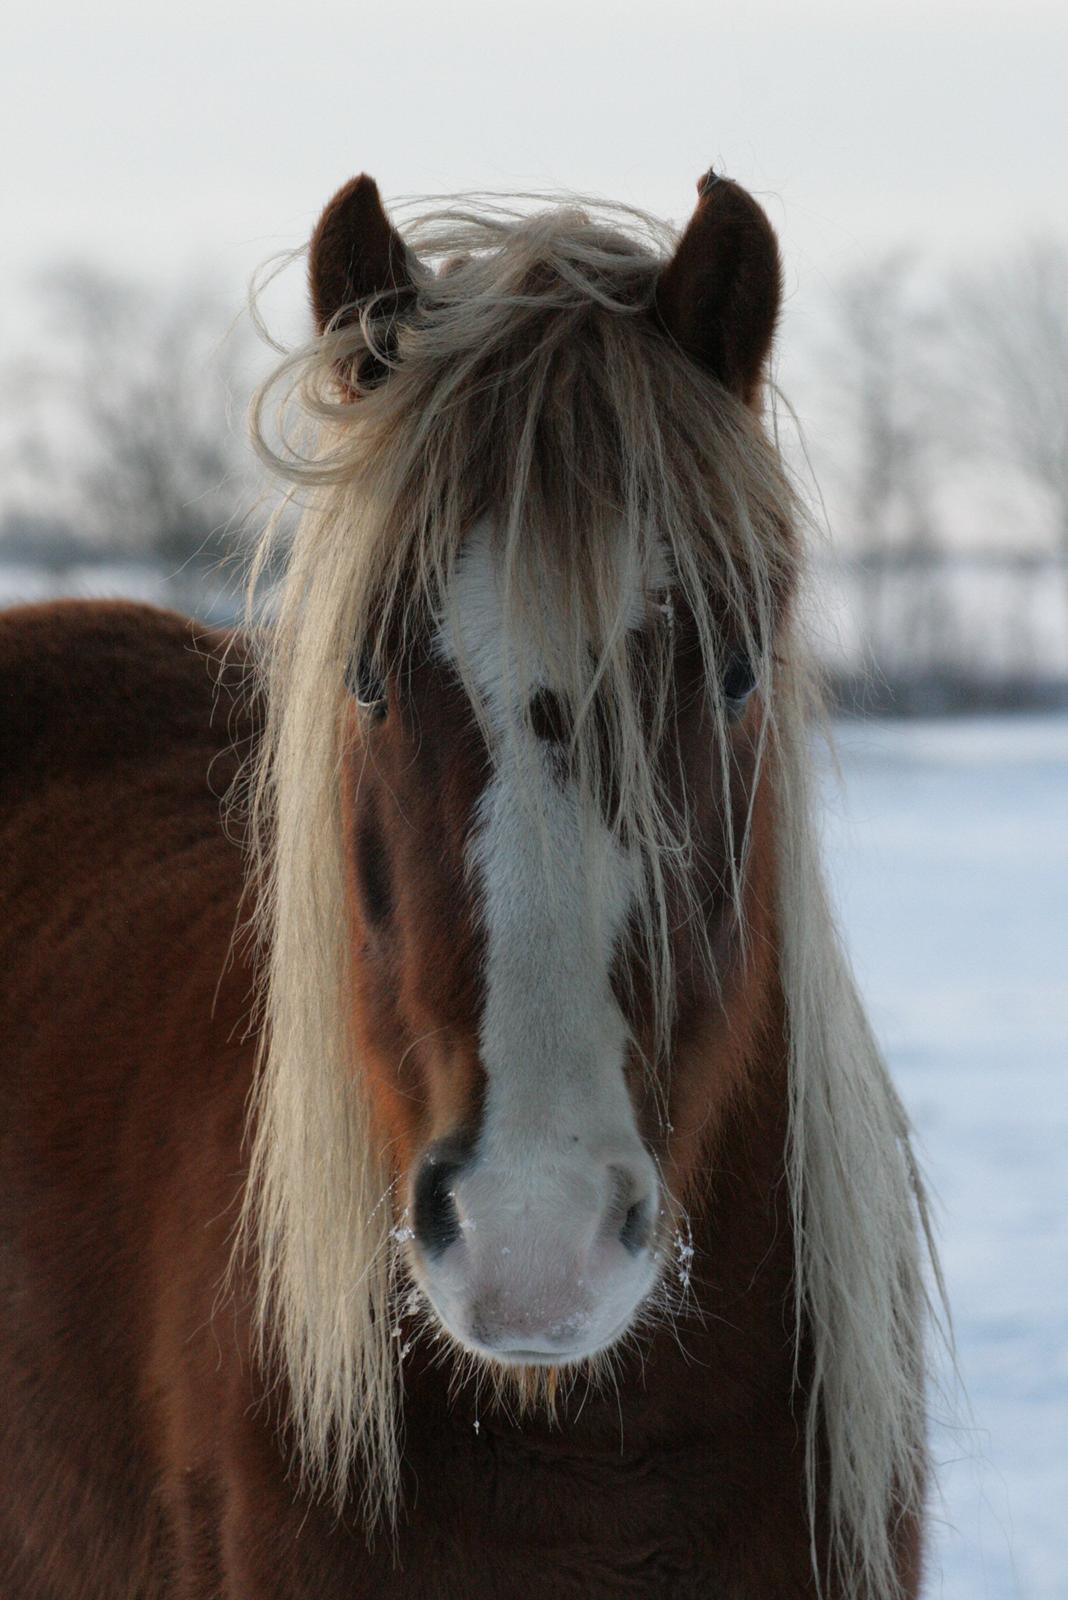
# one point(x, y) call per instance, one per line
point(141, 1452)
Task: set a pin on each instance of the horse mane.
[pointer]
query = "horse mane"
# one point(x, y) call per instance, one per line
point(532, 386)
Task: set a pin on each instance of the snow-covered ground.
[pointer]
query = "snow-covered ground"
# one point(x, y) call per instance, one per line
point(948, 849)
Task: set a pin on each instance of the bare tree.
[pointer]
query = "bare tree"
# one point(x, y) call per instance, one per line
point(1010, 333)
point(135, 417)
point(875, 366)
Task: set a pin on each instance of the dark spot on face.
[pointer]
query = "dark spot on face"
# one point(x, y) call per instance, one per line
point(372, 866)
point(548, 717)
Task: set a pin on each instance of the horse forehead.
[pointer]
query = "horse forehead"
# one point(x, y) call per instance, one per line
point(474, 630)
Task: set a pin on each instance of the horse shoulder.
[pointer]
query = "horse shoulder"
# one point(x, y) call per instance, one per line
point(125, 1066)
point(86, 684)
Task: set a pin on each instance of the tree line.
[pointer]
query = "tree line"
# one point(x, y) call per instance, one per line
point(937, 412)
point(934, 413)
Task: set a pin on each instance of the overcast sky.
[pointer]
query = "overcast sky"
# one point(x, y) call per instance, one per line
point(158, 135)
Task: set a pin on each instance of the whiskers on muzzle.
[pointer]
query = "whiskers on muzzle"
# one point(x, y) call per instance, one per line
point(535, 1306)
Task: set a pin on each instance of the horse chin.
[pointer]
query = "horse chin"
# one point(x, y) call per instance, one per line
point(529, 1383)
point(525, 1366)
point(564, 1360)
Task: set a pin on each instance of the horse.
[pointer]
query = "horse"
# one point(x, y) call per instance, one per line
point(443, 1151)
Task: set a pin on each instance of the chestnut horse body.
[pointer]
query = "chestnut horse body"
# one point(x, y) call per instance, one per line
point(559, 1161)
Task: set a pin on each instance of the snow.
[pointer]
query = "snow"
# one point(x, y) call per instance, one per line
point(126, 580)
point(948, 851)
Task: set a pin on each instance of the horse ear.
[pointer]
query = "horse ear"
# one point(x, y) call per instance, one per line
point(719, 296)
point(356, 252)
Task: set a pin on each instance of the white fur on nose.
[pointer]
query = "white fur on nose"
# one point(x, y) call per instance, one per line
point(540, 1268)
point(539, 1263)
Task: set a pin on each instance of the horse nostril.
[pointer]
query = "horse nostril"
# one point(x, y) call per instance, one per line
point(437, 1221)
point(629, 1210)
point(634, 1234)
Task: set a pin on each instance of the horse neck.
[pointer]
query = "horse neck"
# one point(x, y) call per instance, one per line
point(731, 1124)
point(741, 1276)
point(735, 1317)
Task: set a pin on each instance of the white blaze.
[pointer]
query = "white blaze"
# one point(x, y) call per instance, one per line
point(541, 1265)
point(555, 893)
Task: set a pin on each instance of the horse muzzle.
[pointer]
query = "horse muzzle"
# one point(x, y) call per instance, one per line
point(539, 1264)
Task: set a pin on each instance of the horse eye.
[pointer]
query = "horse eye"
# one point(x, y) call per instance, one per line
point(367, 686)
point(739, 681)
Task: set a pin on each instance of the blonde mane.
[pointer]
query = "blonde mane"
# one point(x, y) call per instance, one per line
point(531, 388)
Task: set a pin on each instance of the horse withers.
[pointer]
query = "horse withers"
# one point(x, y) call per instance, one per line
point(456, 1163)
